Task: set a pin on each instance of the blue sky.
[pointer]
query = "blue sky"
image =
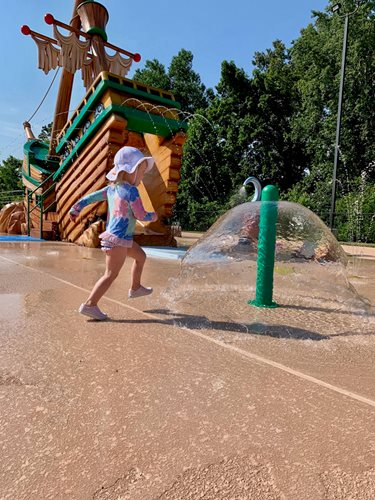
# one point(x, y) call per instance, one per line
point(212, 30)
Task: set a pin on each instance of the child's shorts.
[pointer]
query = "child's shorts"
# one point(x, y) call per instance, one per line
point(108, 243)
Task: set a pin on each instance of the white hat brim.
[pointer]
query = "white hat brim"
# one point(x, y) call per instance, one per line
point(112, 174)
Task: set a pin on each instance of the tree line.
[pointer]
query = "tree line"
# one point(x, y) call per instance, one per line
point(279, 124)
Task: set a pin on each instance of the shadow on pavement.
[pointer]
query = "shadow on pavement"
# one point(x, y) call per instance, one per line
point(203, 323)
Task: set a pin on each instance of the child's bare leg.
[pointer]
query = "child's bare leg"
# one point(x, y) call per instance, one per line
point(139, 256)
point(115, 259)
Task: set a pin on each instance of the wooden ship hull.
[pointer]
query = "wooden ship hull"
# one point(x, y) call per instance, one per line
point(115, 112)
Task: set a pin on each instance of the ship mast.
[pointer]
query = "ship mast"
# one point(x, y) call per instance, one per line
point(89, 20)
point(65, 90)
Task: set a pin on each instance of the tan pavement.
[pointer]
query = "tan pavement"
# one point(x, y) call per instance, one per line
point(360, 251)
point(149, 405)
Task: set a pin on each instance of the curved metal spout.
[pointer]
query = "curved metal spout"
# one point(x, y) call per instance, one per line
point(257, 186)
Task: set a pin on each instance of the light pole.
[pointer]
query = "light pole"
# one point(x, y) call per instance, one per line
point(336, 8)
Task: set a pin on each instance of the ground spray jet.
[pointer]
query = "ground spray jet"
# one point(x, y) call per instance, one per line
point(266, 242)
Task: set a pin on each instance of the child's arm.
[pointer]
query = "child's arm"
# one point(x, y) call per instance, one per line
point(100, 195)
point(137, 208)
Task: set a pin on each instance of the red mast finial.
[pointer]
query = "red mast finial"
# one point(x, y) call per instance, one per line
point(49, 19)
point(25, 30)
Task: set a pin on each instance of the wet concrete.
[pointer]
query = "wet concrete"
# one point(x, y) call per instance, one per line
point(152, 405)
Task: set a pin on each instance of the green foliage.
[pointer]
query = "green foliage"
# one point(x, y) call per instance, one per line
point(186, 84)
point(206, 180)
point(316, 63)
point(45, 134)
point(181, 79)
point(153, 74)
point(10, 174)
point(279, 124)
point(355, 213)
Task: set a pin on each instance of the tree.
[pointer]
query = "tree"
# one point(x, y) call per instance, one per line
point(356, 214)
point(10, 174)
point(279, 123)
point(45, 134)
point(278, 155)
point(153, 74)
point(180, 79)
point(249, 133)
point(186, 84)
point(205, 183)
point(316, 64)
point(213, 152)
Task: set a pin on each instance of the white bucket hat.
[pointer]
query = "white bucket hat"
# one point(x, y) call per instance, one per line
point(127, 160)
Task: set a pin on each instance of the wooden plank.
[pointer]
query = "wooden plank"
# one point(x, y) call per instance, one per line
point(79, 167)
point(31, 186)
point(51, 198)
point(172, 174)
point(180, 138)
point(91, 185)
point(171, 186)
point(161, 150)
point(105, 137)
point(52, 216)
point(157, 190)
point(49, 225)
point(81, 182)
point(156, 179)
point(166, 211)
point(95, 184)
point(117, 137)
point(167, 155)
point(47, 234)
point(164, 199)
point(35, 217)
point(170, 161)
point(73, 230)
point(136, 140)
point(36, 174)
point(113, 123)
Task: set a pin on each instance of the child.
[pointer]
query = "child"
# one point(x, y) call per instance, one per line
point(124, 207)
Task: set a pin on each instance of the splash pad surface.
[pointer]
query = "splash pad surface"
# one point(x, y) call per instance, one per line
point(155, 402)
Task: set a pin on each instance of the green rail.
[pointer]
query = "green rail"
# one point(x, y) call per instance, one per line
point(39, 203)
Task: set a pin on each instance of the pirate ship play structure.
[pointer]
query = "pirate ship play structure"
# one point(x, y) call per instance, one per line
point(115, 111)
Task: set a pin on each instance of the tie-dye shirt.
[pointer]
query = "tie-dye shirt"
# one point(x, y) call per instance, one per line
point(124, 208)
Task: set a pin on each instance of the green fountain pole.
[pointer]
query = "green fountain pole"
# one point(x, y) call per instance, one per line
point(266, 248)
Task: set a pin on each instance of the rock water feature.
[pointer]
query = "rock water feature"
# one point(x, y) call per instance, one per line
point(218, 276)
